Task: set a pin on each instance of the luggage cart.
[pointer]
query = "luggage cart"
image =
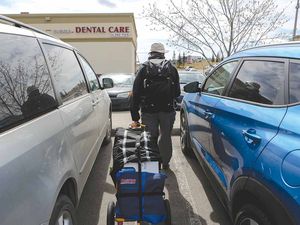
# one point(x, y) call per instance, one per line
point(112, 218)
point(139, 197)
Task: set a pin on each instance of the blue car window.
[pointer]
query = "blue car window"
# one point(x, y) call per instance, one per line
point(294, 82)
point(217, 82)
point(261, 82)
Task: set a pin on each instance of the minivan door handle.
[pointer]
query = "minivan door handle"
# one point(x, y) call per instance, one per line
point(94, 103)
point(251, 137)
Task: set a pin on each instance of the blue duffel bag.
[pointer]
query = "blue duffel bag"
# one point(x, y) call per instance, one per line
point(151, 196)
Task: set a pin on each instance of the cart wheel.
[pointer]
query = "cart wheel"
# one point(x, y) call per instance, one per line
point(168, 210)
point(110, 218)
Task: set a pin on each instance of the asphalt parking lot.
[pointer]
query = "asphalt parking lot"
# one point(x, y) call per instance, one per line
point(192, 199)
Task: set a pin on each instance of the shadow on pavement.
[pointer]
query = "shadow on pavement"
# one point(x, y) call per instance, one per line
point(88, 211)
point(181, 210)
point(219, 214)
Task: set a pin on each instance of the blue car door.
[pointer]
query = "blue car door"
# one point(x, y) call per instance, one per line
point(245, 121)
point(202, 109)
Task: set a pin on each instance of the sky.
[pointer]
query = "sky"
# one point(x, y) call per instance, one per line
point(146, 35)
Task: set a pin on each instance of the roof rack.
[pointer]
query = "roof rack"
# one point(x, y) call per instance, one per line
point(270, 45)
point(23, 25)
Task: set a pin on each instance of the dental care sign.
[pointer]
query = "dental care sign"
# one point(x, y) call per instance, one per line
point(66, 30)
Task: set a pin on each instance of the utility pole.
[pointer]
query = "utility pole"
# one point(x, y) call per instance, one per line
point(296, 20)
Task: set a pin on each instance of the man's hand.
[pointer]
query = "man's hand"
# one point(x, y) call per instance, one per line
point(135, 124)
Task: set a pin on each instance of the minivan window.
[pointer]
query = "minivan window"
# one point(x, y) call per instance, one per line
point(219, 79)
point(66, 71)
point(294, 82)
point(261, 82)
point(26, 89)
point(91, 76)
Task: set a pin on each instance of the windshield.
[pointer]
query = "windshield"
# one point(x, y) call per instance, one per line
point(188, 77)
point(120, 80)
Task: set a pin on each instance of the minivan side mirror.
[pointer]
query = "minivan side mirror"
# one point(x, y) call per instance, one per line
point(107, 83)
point(192, 87)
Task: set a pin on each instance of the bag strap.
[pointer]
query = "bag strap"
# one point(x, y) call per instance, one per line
point(133, 194)
point(124, 146)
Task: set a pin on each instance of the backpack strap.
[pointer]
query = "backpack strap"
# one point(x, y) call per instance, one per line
point(149, 65)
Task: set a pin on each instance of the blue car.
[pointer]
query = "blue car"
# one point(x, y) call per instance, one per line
point(243, 125)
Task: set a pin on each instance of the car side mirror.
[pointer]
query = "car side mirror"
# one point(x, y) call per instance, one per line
point(192, 87)
point(107, 83)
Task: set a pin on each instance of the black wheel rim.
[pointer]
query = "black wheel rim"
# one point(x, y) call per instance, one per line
point(183, 133)
point(249, 221)
point(65, 218)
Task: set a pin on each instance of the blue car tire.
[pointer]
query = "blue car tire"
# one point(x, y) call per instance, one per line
point(251, 215)
point(185, 137)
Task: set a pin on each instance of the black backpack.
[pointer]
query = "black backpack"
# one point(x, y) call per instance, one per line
point(159, 86)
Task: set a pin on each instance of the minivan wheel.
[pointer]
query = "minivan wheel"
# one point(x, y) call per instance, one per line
point(63, 212)
point(107, 138)
point(251, 215)
point(185, 143)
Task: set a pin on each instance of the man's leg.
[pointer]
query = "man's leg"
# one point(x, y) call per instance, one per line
point(151, 122)
point(166, 122)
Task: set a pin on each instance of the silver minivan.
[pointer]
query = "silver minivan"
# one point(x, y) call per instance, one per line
point(54, 117)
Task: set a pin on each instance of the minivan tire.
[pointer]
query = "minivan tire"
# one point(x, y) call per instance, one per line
point(107, 138)
point(250, 214)
point(185, 142)
point(63, 209)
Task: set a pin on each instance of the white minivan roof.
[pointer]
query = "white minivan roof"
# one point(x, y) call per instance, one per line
point(10, 29)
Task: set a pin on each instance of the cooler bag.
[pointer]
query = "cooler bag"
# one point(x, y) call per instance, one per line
point(140, 201)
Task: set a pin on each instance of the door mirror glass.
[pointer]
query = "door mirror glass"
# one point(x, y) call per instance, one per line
point(192, 87)
point(107, 83)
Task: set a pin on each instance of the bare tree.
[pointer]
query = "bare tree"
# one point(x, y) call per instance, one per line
point(218, 26)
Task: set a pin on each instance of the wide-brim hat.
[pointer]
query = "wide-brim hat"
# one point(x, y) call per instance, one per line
point(158, 47)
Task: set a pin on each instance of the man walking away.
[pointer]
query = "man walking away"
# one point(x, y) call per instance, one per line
point(155, 87)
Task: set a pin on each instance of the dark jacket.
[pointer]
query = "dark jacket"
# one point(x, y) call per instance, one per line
point(138, 92)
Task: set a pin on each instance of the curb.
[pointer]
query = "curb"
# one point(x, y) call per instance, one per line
point(175, 132)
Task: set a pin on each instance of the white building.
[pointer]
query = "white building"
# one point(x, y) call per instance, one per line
point(108, 41)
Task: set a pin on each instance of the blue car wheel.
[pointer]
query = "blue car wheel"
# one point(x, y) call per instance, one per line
point(185, 142)
point(251, 215)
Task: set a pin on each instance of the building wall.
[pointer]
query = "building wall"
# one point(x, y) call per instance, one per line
point(107, 57)
point(108, 41)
